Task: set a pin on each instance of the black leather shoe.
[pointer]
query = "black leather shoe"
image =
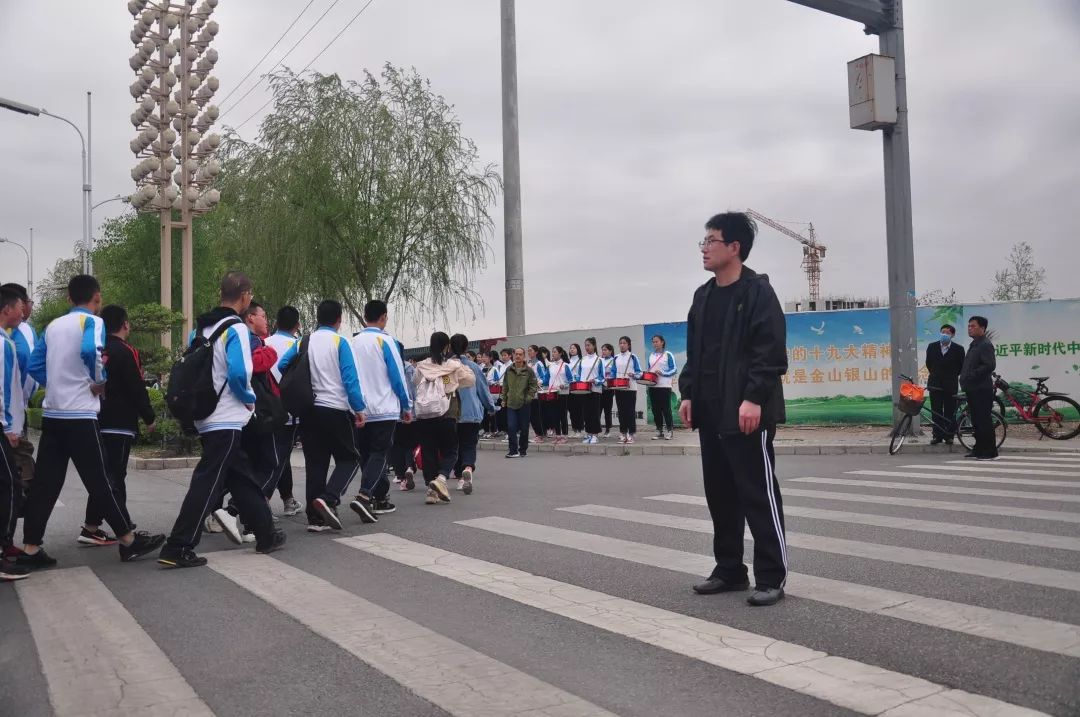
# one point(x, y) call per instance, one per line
point(935, 441)
point(762, 597)
point(970, 454)
point(713, 586)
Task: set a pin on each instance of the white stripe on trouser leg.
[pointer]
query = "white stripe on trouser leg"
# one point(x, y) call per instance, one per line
point(108, 481)
point(356, 452)
point(213, 489)
point(274, 453)
point(772, 505)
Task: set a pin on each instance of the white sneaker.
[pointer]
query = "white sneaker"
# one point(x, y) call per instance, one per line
point(594, 440)
point(439, 487)
point(212, 525)
point(249, 537)
point(461, 484)
point(622, 438)
point(629, 439)
point(292, 507)
point(229, 525)
point(318, 528)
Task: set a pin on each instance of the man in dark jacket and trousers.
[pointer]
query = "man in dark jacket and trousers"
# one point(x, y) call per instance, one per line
point(944, 359)
point(124, 402)
point(731, 393)
point(977, 380)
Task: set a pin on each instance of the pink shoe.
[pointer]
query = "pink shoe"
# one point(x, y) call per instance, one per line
point(538, 439)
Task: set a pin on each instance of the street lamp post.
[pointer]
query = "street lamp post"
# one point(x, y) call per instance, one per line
point(117, 198)
point(29, 280)
point(84, 177)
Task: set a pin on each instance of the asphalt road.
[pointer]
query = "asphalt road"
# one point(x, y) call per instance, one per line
point(503, 602)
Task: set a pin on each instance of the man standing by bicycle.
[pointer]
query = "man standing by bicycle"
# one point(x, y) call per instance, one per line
point(976, 378)
point(944, 361)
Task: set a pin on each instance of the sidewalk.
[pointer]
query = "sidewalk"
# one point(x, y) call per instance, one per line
point(790, 440)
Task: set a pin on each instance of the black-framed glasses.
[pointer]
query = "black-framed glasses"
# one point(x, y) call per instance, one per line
point(708, 241)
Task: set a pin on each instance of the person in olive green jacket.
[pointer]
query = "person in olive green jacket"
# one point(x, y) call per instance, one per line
point(519, 389)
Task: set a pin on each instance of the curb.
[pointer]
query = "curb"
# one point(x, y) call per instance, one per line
point(648, 449)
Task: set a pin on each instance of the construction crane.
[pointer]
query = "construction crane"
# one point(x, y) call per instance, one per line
point(813, 253)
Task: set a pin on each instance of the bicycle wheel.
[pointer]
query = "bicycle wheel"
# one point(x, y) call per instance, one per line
point(965, 432)
point(1057, 417)
point(899, 435)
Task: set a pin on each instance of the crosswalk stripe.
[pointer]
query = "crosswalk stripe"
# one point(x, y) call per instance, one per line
point(478, 684)
point(1074, 458)
point(1022, 482)
point(949, 562)
point(1063, 542)
point(847, 683)
point(96, 658)
point(1010, 463)
point(994, 468)
point(1033, 632)
point(947, 505)
point(928, 488)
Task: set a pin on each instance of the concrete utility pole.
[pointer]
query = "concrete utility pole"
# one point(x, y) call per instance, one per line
point(885, 18)
point(515, 272)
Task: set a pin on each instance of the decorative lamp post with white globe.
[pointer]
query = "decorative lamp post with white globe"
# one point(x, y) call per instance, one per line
point(173, 116)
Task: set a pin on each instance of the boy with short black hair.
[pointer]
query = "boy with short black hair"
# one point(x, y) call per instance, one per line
point(69, 363)
point(124, 402)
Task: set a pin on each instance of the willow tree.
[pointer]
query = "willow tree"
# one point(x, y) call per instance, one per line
point(358, 191)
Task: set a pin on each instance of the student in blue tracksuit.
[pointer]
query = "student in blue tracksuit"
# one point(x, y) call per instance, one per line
point(406, 436)
point(225, 466)
point(327, 430)
point(476, 403)
point(382, 374)
point(12, 417)
point(626, 365)
point(68, 362)
point(662, 362)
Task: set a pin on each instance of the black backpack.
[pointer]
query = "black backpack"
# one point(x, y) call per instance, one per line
point(192, 395)
point(295, 384)
point(270, 413)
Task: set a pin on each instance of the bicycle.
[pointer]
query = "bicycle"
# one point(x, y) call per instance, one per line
point(1055, 415)
point(913, 403)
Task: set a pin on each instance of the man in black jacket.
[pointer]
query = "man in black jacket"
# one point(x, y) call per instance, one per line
point(124, 402)
point(944, 360)
point(977, 380)
point(735, 355)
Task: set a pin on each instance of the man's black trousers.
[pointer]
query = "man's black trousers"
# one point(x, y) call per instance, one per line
point(328, 433)
point(76, 440)
point(943, 403)
point(981, 406)
point(741, 488)
point(374, 441)
point(117, 450)
point(224, 467)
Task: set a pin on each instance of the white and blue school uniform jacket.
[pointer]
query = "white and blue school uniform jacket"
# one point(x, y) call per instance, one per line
point(25, 340)
point(625, 365)
point(559, 377)
point(663, 364)
point(541, 371)
point(12, 405)
point(591, 368)
point(382, 374)
point(67, 361)
point(333, 370)
point(232, 369)
point(606, 364)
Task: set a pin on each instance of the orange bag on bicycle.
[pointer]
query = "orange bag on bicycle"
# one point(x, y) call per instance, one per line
point(912, 398)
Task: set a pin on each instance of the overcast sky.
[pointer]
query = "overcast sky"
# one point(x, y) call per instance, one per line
point(638, 121)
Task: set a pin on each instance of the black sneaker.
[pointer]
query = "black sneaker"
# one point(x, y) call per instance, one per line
point(362, 507)
point(513, 455)
point(37, 561)
point(382, 507)
point(96, 537)
point(277, 539)
point(10, 572)
point(142, 544)
point(186, 558)
point(328, 513)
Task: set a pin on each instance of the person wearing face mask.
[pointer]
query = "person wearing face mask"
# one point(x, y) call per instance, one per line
point(944, 361)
